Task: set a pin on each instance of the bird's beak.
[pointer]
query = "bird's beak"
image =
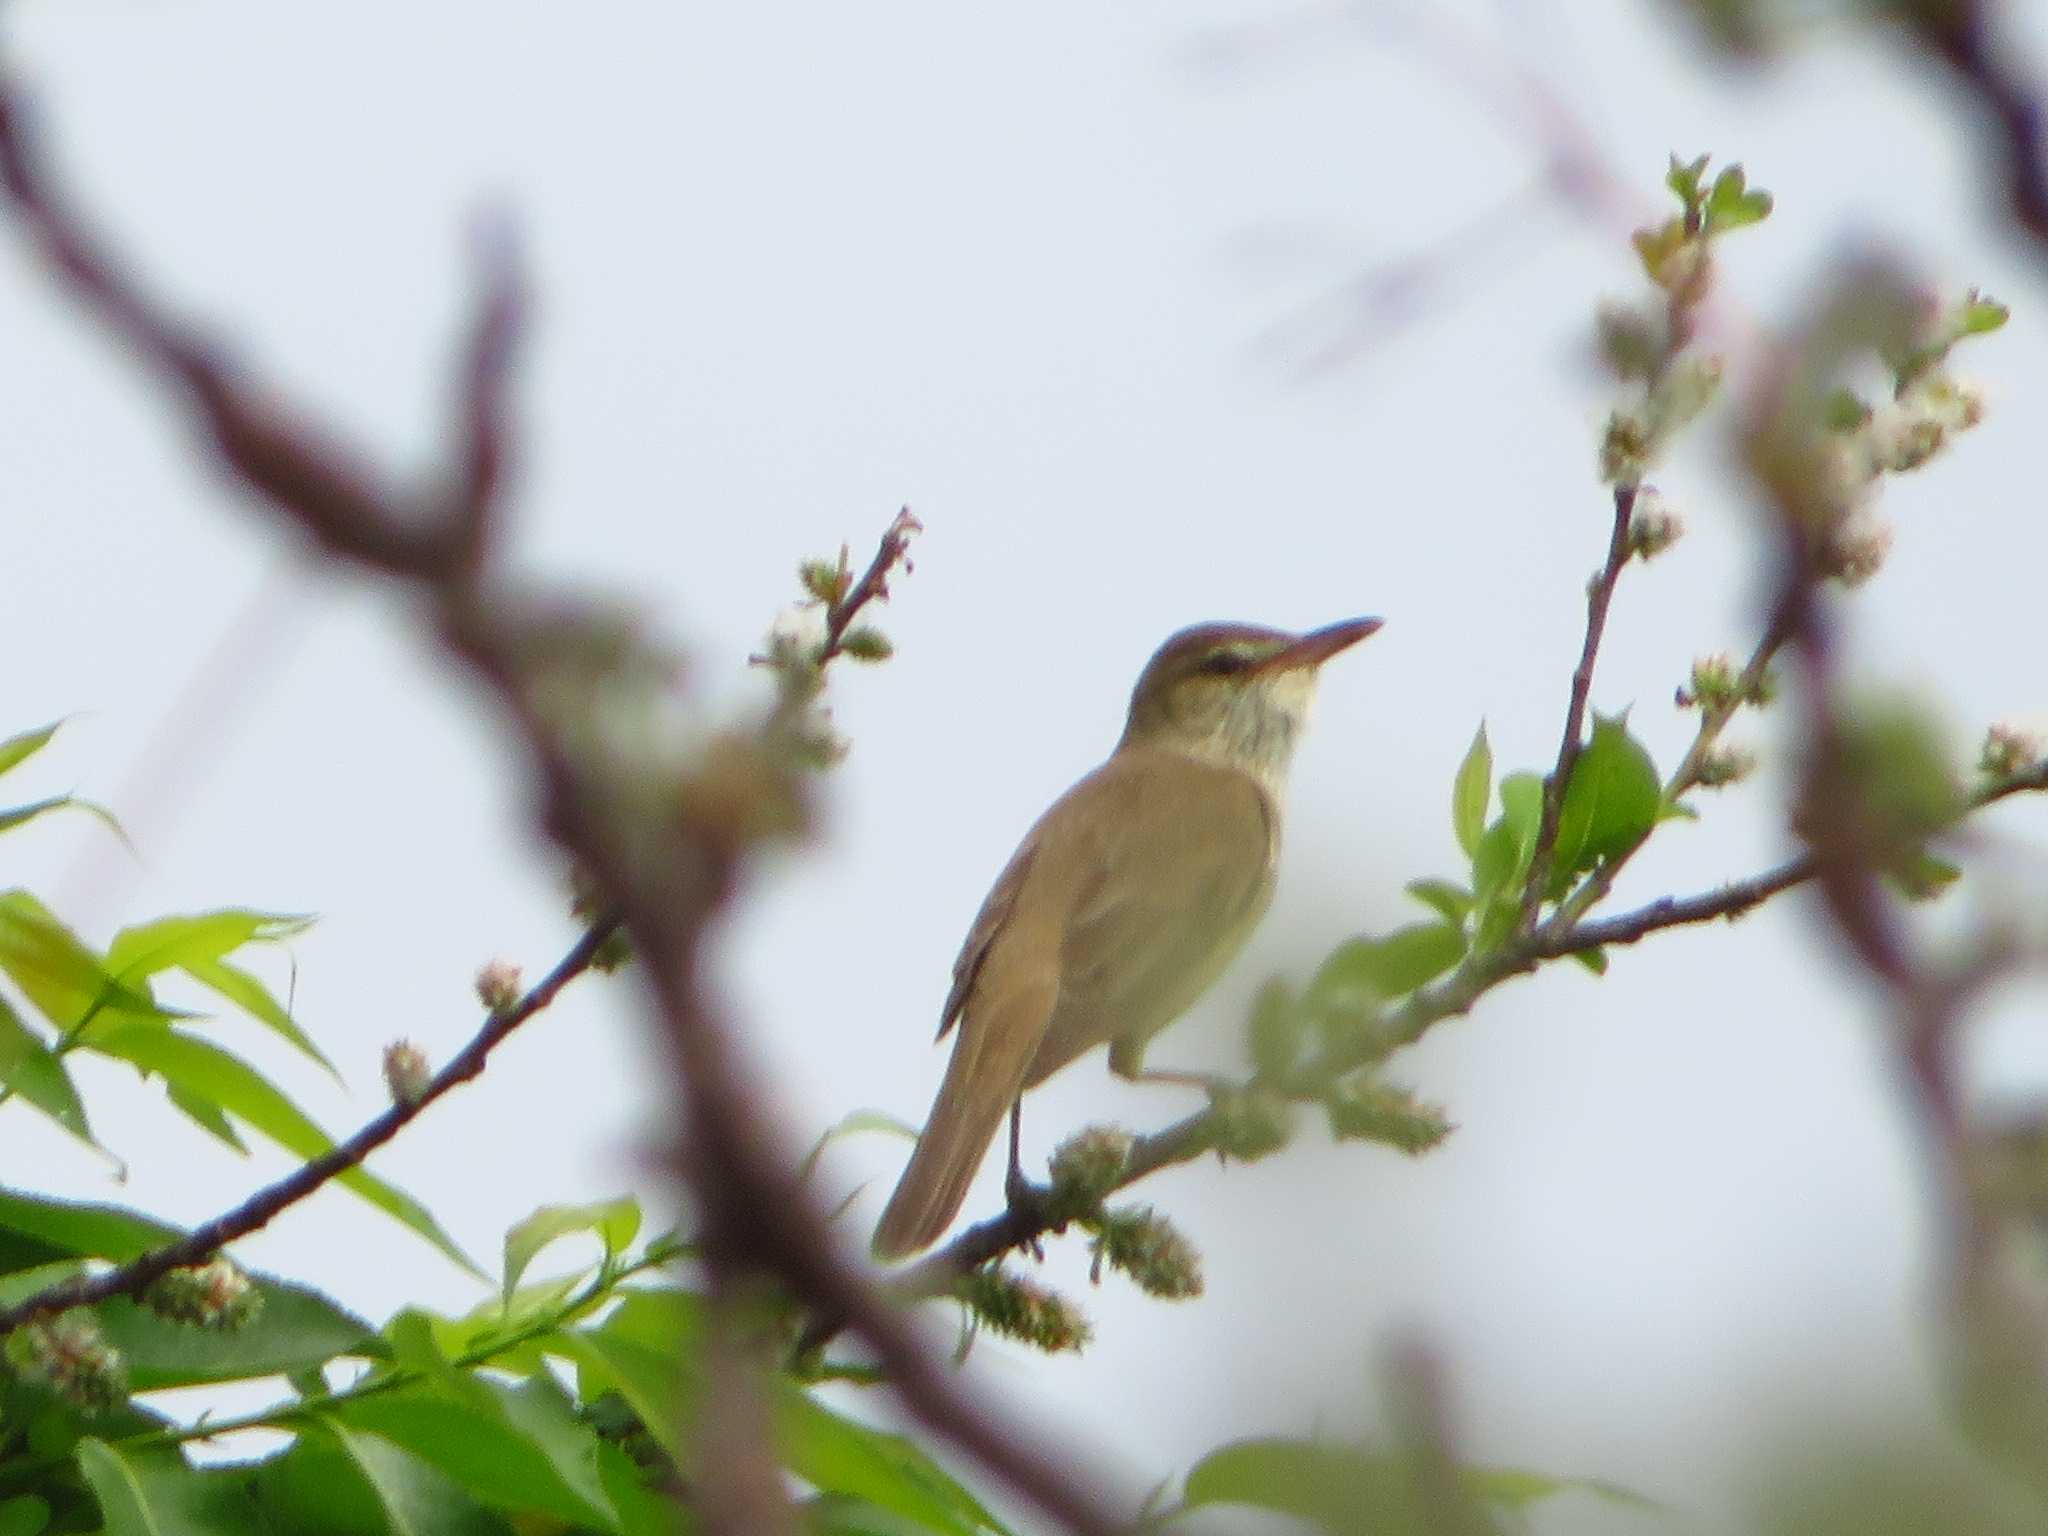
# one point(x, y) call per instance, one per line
point(1319, 645)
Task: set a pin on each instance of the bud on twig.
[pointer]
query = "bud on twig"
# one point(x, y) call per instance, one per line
point(1363, 1110)
point(69, 1355)
point(2008, 752)
point(1086, 1167)
point(1023, 1310)
point(1148, 1248)
point(497, 985)
point(214, 1295)
point(406, 1072)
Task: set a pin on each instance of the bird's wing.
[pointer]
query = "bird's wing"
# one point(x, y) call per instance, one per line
point(988, 923)
point(1135, 953)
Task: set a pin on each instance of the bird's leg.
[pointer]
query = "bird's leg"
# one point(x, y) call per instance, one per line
point(1016, 1188)
point(1127, 1060)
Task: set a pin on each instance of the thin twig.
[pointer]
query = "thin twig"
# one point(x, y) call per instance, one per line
point(873, 585)
point(667, 881)
point(209, 1237)
point(1599, 594)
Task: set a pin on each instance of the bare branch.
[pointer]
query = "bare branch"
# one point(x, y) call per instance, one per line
point(205, 1240)
point(1599, 593)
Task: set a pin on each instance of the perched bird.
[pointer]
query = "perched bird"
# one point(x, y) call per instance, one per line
point(1125, 901)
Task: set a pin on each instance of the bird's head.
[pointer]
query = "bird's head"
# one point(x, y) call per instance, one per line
point(1235, 694)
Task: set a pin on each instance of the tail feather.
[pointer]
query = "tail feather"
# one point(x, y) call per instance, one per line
point(982, 1081)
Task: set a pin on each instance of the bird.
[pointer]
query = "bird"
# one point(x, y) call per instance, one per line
point(1125, 900)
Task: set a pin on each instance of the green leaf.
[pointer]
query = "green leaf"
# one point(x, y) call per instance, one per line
point(18, 749)
point(1610, 805)
point(1508, 845)
point(169, 942)
point(1450, 901)
point(1348, 1490)
point(296, 1328)
point(1684, 178)
point(72, 1229)
point(22, 815)
point(416, 1498)
point(1979, 317)
point(156, 1493)
point(1594, 960)
point(65, 980)
point(25, 1516)
point(649, 1379)
point(1732, 204)
point(837, 1454)
point(859, 1122)
point(519, 1449)
point(198, 944)
point(1471, 791)
point(215, 1075)
point(1389, 967)
point(614, 1222)
point(31, 1069)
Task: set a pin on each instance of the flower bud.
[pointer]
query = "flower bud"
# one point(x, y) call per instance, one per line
point(1148, 1248)
point(497, 985)
point(2008, 752)
point(1086, 1166)
point(1022, 1309)
point(406, 1073)
point(68, 1354)
point(216, 1294)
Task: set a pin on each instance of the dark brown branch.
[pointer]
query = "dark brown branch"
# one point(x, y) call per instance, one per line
point(667, 880)
point(1599, 594)
point(873, 585)
point(207, 1239)
point(1959, 33)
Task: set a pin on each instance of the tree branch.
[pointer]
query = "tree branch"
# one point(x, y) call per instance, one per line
point(1599, 594)
point(667, 878)
point(208, 1238)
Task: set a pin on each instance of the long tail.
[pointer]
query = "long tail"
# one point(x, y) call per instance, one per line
point(982, 1081)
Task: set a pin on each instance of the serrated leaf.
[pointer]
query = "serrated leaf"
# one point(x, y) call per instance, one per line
point(1389, 967)
point(211, 1073)
point(19, 749)
point(35, 1073)
point(615, 1223)
point(1471, 791)
point(1610, 805)
point(1450, 901)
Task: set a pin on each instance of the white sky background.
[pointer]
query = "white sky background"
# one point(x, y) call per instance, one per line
point(797, 265)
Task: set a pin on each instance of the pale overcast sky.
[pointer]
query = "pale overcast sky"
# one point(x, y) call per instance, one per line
point(1050, 276)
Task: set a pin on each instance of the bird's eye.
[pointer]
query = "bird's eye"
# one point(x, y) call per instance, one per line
point(1223, 663)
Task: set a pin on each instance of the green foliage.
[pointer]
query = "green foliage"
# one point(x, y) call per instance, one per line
point(1610, 802)
point(1350, 1490)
